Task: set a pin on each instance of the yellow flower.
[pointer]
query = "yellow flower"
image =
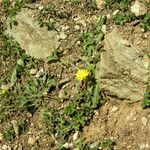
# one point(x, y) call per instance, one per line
point(82, 74)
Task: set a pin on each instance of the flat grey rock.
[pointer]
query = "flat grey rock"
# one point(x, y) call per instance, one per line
point(122, 73)
point(36, 41)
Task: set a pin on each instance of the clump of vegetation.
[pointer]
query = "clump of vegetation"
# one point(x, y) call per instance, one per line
point(145, 22)
point(80, 108)
point(121, 18)
point(146, 102)
point(8, 134)
point(12, 10)
point(48, 12)
point(108, 144)
point(118, 4)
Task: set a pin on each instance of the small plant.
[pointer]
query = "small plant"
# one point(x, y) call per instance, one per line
point(75, 1)
point(120, 18)
point(146, 102)
point(8, 134)
point(107, 144)
point(145, 22)
point(48, 12)
point(118, 4)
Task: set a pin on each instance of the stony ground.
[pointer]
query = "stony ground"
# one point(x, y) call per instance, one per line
point(43, 44)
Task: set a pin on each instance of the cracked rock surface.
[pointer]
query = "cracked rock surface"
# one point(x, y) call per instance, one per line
point(122, 72)
point(36, 41)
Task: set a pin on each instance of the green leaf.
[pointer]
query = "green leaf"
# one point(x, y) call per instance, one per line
point(51, 59)
point(13, 79)
point(108, 144)
point(96, 97)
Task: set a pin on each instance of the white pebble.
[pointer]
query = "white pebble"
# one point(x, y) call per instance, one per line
point(77, 27)
point(103, 29)
point(31, 141)
point(5, 147)
point(76, 135)
point(144, 121)
point(68, 145)
point(33, 71)
point(115, 12)
point(114, 109)
point(1, 136)
point(62, 36)
point(40, 73)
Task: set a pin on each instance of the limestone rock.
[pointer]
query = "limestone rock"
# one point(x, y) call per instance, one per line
point(99, 3)
point(36, 41)
point(122, 73)
point(138, 9)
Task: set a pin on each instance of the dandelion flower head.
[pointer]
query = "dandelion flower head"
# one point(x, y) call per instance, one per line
point(82, 74)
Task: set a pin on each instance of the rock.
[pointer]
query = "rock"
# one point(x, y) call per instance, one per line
point(94, 145)
point(142, 147)
point(147, 145)
point(62, 93)
point(77, 27)
point(5, 147)
point(121, 70)
point(15, 126)
point(31, 141)
point(115, 12)
point(40, 73)
point(99, 3)
point(103, 29)
point(62, 36)
point(144, 121)
point(33, 71)
point(138, 9)
point(36, 41)
point(68, 145)
point(76, 135)
point(114, 109)
point(1, 136)
point(5, 87)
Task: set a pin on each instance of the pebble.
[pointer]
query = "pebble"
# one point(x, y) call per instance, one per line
point(108, 16)
point(62, 36)
point(40, 7)
point(96, 112)
point(114, 109)
point(68, 145)
point(144, 146)
point(5, 87)
point(144, 121)
point(103, 29)
point(31, 141)
point(76, 135)
point(99, 3)
point(138, 9)
point(77, 27)
point(5, 147)
point(33, 71)
point(15, 126)
point(94, 145)
point(40, 73)
point(125, 42)
point(20, 147)
point(62, 93)
point(115, 12)
point(1, 136)
point(64, 28)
